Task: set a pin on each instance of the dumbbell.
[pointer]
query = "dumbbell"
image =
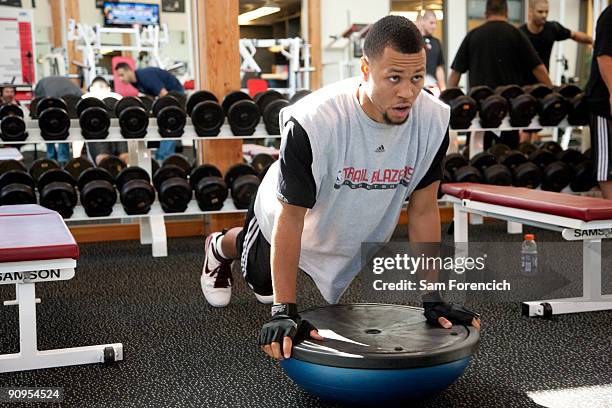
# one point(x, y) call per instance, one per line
point(583, 175)
point(261, 162)
point(270, 104)
point(133, 117)
point(33, 107)
point(76, 166)
point(527, 148)
point(12, 125)
point(556, 175)
point(492, 171)
point(57, 191)
point(41, 166)
point(457, 169)
point(578, 114)
point(206, 114)
point(523, 107)
point(147, 102)
point(180, 97)
point(492, 108)
point(53, 119)
point(299, 95)
point(552, 146)
point(243, 182)
point(209, 187)
point(94, 118)
point(538, 91)
point(110, 103)
point(463, 107)
point(170, 116)
point(16, 187)
point(525, 173)
point(499, 150)
point(242, 113)
point(172, 187)
point(552, 107)
point(98, 194)
point(71, 103)
point(112, 164)
point(135, 190)
point(179, 160)
point(7, 165)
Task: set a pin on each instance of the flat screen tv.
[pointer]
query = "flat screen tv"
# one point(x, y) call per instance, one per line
point(128, 14)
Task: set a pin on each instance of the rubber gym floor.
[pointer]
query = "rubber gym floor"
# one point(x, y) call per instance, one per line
point(180, 352)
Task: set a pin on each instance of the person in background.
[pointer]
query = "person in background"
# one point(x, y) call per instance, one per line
point(155, 82)
point(599, 96)
point(435, 76)
point(543, 34)
point(100, 88)
point(57, 86)
point(9, 92)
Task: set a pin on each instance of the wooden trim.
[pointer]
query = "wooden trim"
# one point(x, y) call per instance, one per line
point(72, 11)
point(314, 37)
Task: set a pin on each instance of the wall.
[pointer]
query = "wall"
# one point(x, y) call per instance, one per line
point(336, 17)
point(569, 48)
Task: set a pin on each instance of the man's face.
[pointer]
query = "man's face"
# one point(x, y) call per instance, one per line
point(429, 25)
point(392, 82)
point(126, 75)
point(539, 13)
point(8, 94)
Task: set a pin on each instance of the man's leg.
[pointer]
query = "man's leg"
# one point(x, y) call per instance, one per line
point(228, 243)
point(601, 146)
point(606, 189)
point(166, 148)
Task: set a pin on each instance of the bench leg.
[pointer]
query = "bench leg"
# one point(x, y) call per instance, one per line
point(592, 299)
point(158, 234)
point(514, 227)
point(30, 358)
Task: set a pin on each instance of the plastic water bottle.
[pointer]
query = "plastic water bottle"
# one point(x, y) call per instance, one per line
point(529, 256)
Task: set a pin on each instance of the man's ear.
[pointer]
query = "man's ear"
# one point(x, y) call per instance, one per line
point(365, 68)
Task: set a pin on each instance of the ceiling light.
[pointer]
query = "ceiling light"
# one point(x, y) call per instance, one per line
point(244, 18)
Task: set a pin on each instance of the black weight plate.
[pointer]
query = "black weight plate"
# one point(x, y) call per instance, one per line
point(556, 176)
point(89, 102)
point(60, 197)
point(261, 161)
point(175, 195)
point(449, 94)
point(204, 170)
point(509, 91)
point(33, 108)
point(171, 121)
point(584, 177)
point(198, 97)
point(41, 166)
point(233, 97)
point(53, 176)
point(454, 161)
point(134, 122)
point(180, 97)
point(498, 175)
point(523, 108)
point(50, 102)
point(207, 117)
point(541, 158)
point(13, 129)
point(94, 123)
point(167, 172)
point(468, 174)
point(553, 108)
point(237, 170)
point(10, 109)
point(16, 177)
point(131, 173)
point(480, 93)
point(299, 95)
point(570, 156)
point(553, 147)
point(463, 110)
point(71, 103)
point(527, 148)
point(527, 175)
point(147, 103)
point(163, 102)
point(483, 160)
point(243, 116)
point(569, 90)
point(13, 194)
point(54, 124)
point(137, 196)
point(538, 91)
point(111, 103)
point(154, 165)
point(499, 149)
point(76, 166)
point(6, 165)
point(264, 98)
point(178, 160)
point(513, 158)
point(126, 102)
point(493, 110)
point(211, 192)
point(94, 174)
point(98, 198)
point(112, 164)
point(244, 190)
point(271, 115)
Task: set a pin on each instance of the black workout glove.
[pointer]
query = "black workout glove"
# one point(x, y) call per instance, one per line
point(435, 307)
point(285, 322)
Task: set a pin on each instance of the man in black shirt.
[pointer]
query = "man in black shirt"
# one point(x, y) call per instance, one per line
point(598, 93)
point(543, 34)
point(434, 67)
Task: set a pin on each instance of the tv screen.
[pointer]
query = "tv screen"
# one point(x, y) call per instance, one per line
point(128, 14)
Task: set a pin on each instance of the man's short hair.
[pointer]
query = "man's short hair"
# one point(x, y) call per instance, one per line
point(533, 3)
point(396, 32)
point(497, 7)
point(123, 65)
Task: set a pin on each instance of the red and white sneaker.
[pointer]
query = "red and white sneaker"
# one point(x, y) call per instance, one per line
point(216, 279)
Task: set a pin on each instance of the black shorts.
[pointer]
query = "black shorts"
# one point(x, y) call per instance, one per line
point(601, 147)
point(254, 252)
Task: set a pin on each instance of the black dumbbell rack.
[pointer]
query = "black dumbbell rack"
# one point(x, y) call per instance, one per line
point(152, 226)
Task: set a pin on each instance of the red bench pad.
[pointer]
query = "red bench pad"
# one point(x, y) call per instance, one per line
point(31, 233)
point(546, 202)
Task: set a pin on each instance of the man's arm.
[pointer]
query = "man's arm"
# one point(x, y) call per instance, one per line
point(424, 215)
point(454, 78)
point(604, 63)
point(163, 92)
point(541, 74)
point(581, 37)
point(440, 77)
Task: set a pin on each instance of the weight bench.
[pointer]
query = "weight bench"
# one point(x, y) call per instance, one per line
point(36, 246)
point(576, 217)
